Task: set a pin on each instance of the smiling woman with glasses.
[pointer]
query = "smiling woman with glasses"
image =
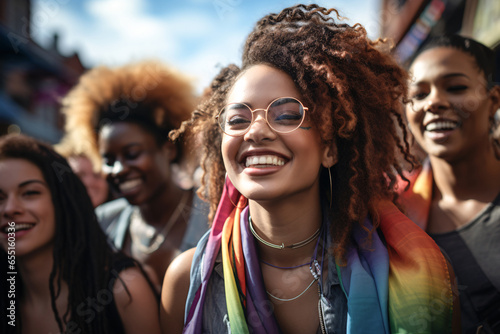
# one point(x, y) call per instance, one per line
point(301, 153)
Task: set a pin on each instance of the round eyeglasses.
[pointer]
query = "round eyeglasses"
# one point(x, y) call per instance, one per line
point(283, 115)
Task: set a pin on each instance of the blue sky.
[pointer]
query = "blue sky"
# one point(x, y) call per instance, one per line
point(196, 36)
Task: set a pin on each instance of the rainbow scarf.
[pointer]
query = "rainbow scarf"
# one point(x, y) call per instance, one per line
point(417, 199)
point(402, 286)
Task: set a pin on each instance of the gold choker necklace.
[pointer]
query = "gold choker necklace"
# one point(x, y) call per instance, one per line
point(282, 246)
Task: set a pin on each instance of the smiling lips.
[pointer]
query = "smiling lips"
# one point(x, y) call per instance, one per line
point(442, 126)
point(18, 227)
point(128, 185)
point(263, 161)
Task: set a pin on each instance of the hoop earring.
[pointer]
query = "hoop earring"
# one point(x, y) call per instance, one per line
point(331, 187)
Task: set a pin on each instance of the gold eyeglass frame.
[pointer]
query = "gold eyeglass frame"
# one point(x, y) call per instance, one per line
point(265, 118)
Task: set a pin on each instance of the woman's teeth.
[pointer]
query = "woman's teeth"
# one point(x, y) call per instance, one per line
point(18, 227)
point(130, 184)
point(440, 126)
point(264, 160)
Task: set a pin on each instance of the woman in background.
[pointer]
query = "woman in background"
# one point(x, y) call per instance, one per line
point(455, 197)
point(67, 278)
point(94, 180)
point(127, 113)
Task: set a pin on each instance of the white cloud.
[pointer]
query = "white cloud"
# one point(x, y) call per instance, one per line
point(185, 39)
point(115, 32)
point(126, 18)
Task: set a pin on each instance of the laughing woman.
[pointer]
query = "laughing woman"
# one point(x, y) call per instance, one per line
point(65, 277)
point(456, 196)
point(301, 145)
point(126, 114)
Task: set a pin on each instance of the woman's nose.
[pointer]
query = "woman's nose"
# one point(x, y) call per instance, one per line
point(11, 207)
point(259, 130)
point(436, 101)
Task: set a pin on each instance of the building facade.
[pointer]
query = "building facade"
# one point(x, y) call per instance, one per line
point(32, 79)
point(410, 22)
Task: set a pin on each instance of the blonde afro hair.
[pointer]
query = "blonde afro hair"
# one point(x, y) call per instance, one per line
point(147, 92)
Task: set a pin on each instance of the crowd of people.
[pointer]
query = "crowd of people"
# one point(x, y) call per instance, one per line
point(288, 198)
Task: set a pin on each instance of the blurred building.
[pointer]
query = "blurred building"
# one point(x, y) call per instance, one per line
point(410, 22)
point(32, 79)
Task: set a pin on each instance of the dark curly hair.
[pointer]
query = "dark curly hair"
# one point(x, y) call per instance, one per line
point(148, 93)
point(82, 256)
point(354, 89)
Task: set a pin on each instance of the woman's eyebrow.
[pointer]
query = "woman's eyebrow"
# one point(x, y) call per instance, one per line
point(28, 182)
point(455, 74)
point(446, 76)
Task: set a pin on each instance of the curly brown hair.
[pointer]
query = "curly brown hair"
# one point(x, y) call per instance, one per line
point(354, 89)
point(149, 93)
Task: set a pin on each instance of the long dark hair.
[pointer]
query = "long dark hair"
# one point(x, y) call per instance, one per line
point(82, 256)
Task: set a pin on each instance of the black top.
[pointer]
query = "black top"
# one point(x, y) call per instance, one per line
point(474, 251)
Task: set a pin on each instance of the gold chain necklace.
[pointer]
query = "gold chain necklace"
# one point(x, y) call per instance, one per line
point(291, 299)
point(158, 238)
point(315, 270)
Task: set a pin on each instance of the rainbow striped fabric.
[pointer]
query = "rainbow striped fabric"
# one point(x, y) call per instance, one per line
point(244, 287)
point(402, 286)
point(417, 199)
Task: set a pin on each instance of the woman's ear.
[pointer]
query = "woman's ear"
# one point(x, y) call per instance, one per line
point(330, 156)
point(170, 150)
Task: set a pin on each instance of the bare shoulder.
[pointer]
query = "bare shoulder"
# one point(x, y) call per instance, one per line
point(136, 302)
point(180, 267)
point(174, 292)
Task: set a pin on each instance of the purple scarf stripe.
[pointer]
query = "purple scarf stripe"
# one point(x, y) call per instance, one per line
point(259, 308)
